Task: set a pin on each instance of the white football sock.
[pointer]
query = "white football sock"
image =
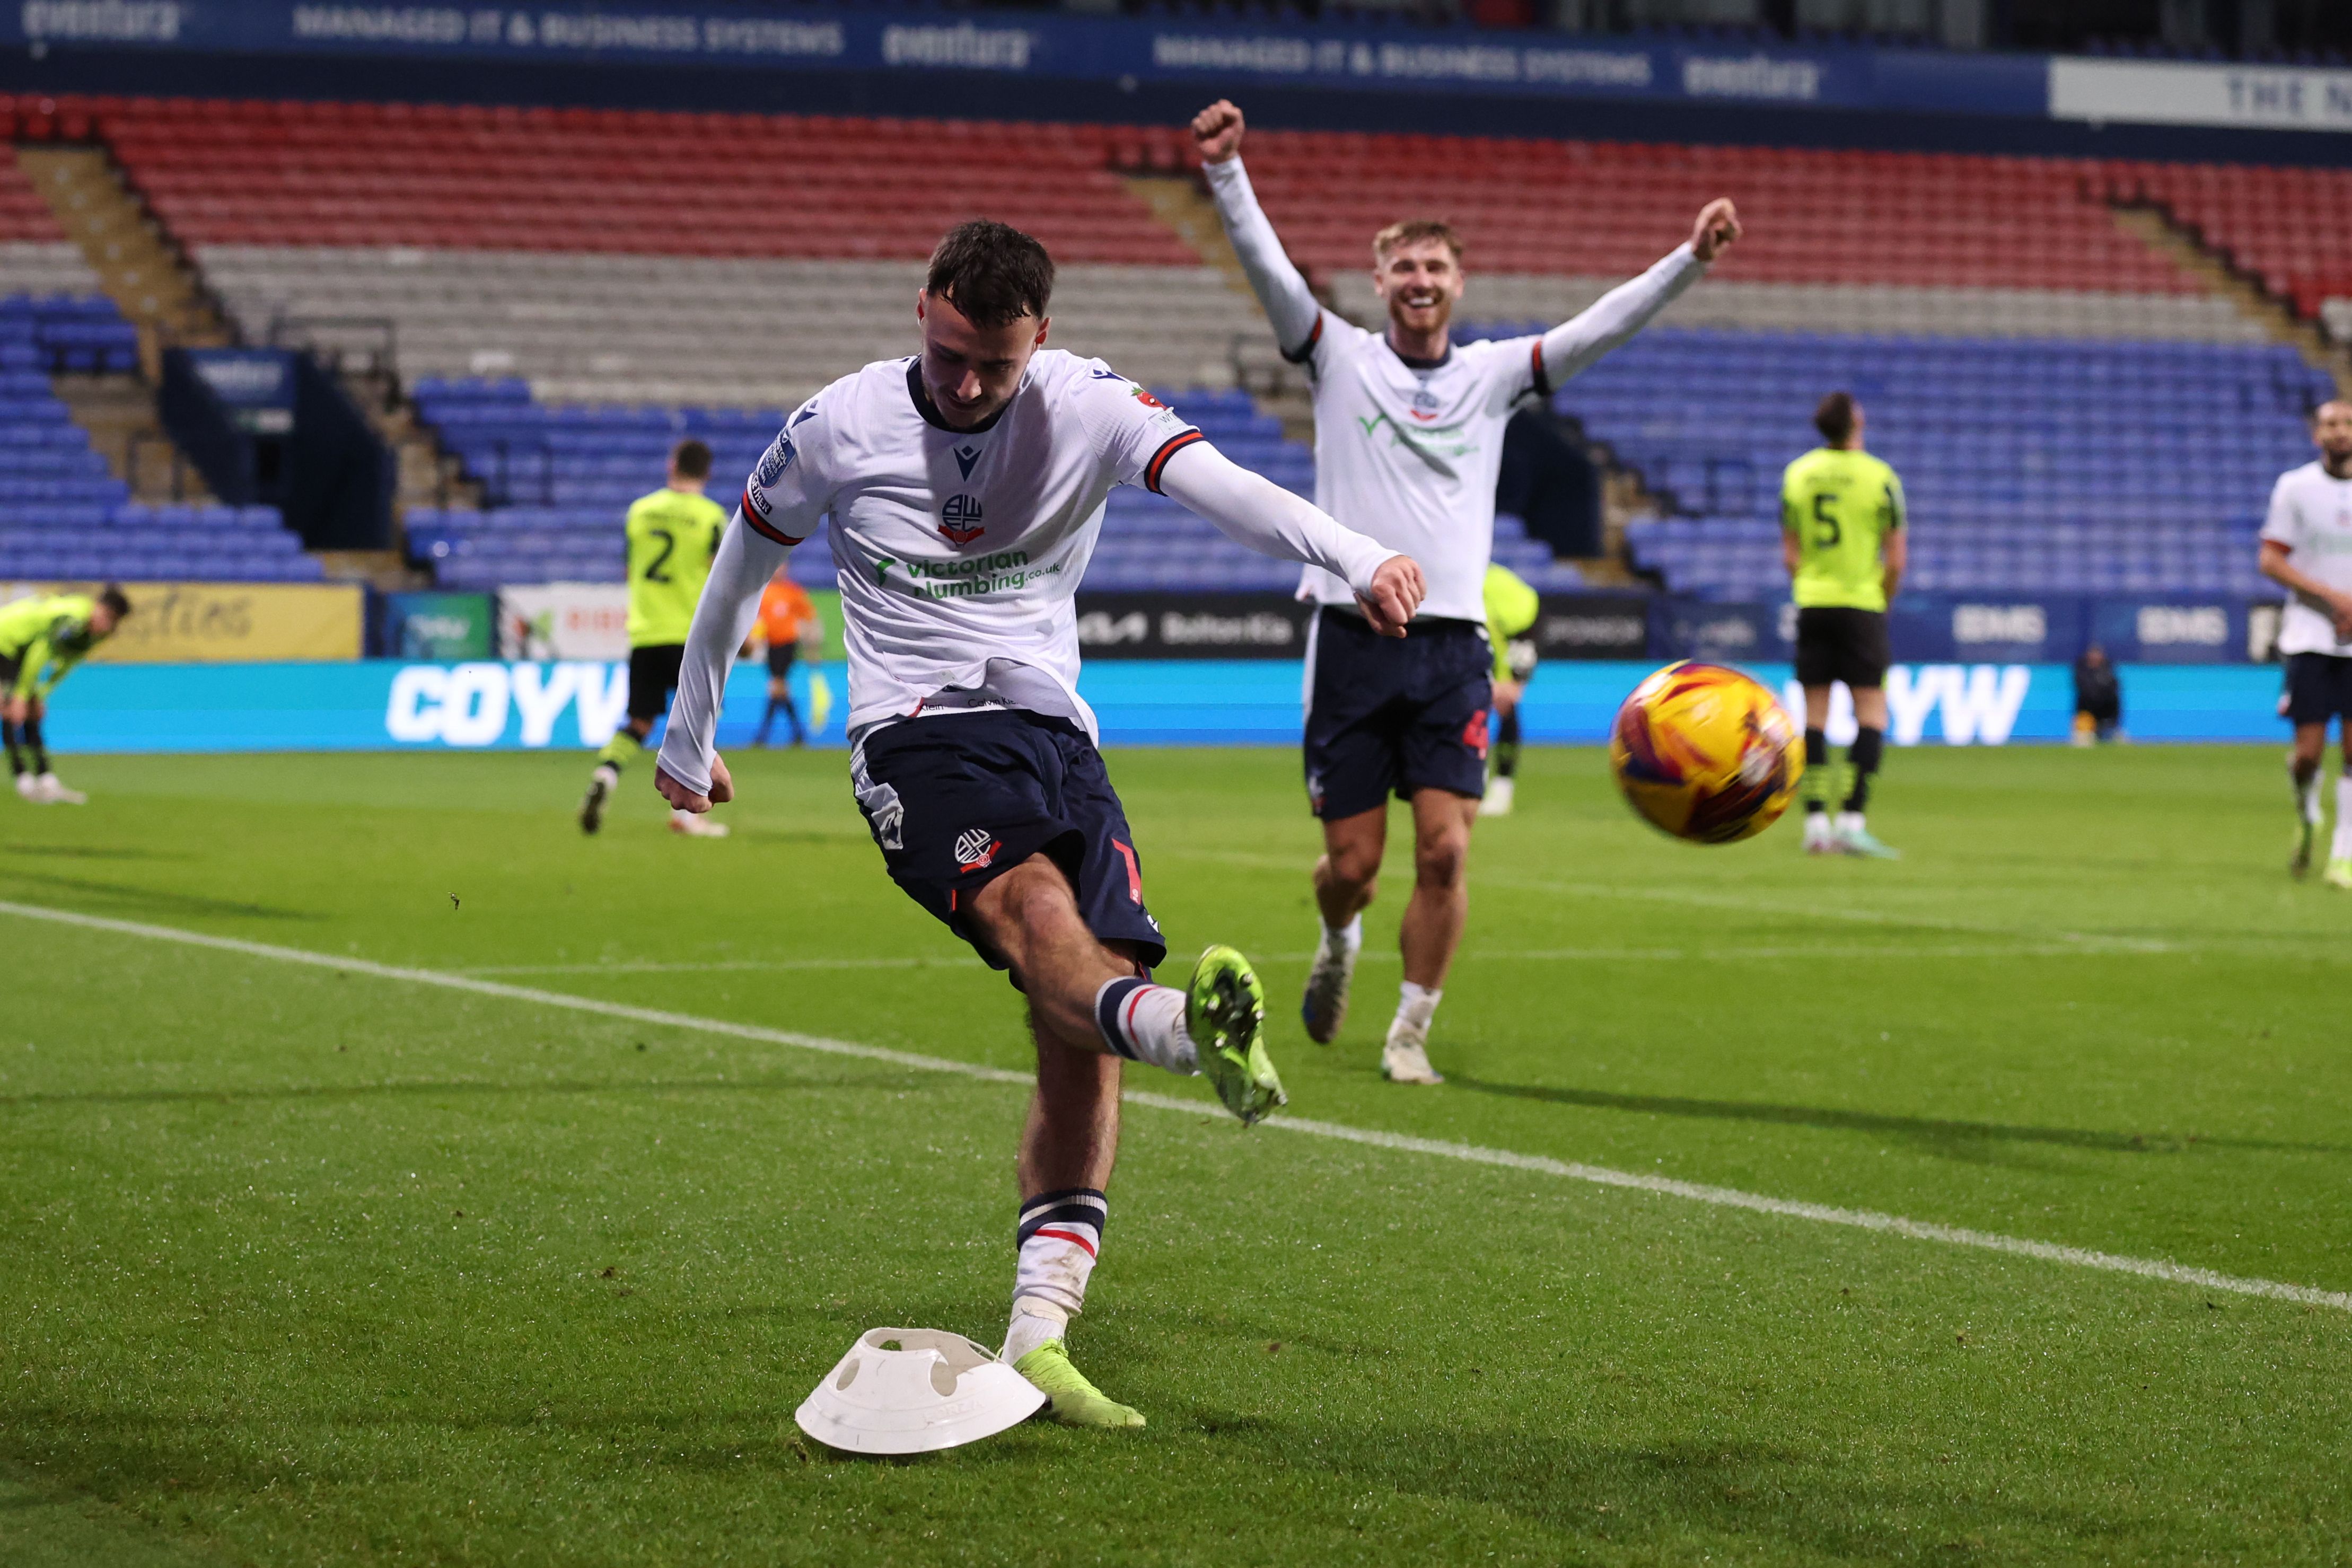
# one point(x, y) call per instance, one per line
point(1416, 1005)
point(1145, 1022)
point(1348, 938)
point(1034, 1323)
point(1060, 1235)
point(2343, 849)
point(1849, 821)
point(2306, 795)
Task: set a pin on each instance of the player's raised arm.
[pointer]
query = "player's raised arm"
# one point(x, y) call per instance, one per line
point(1625, 310)
point(1253, 510)
point(1289, 304)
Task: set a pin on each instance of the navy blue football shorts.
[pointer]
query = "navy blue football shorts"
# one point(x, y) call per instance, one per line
point(2318, 688)
point(1394, 716)
point(957, 799)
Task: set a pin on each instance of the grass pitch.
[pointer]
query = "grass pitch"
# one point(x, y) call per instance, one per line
point(305, 1265)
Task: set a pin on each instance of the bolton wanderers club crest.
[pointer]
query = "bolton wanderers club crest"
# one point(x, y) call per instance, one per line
point(960, 519)
point(974, 848)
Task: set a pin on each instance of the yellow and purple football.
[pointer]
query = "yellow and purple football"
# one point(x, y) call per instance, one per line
point(1705, 753)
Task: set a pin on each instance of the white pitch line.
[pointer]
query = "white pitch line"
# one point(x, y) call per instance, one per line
point(1472, 1154)
point(717, 966)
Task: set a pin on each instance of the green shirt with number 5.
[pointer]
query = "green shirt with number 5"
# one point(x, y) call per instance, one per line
point(1841, 506)
point(673, 535)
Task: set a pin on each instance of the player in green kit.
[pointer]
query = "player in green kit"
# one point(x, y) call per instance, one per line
point(673, 534)
point(1512, 608)
point(41, 640)
point(1842, 536)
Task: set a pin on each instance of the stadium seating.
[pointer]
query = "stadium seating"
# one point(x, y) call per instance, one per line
point(36, 257)
point(595, 327)
point(2292, 228)
point(63, 514)
point(572, 291)
point(2048, 466)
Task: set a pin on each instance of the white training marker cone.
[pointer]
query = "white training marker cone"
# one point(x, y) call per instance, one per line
point(915, 1391)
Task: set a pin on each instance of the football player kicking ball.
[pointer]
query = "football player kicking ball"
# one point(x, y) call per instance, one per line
point(1408, 440)
point(966, 486)
point(2307, 549)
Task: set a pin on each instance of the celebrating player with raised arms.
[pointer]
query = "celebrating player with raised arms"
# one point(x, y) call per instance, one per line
point(1408, 440)
point(966, 486)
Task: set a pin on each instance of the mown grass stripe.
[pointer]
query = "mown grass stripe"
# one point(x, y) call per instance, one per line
point(1472, 1154)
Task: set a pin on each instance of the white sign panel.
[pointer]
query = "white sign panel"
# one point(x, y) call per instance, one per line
point(2253, 98)
point(564, 621)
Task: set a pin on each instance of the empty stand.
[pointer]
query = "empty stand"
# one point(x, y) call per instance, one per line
point(2292, 228)
point(2029, 467)
point(593, 328)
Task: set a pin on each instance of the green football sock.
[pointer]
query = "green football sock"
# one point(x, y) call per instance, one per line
point(623, 749)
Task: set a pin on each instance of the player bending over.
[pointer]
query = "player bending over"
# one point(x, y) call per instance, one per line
point(1842, 538)
point(966, 486)
point(2307, 549)
point(673, 534)
point(1511, 610)
point(41, 640)
point(1407, 439)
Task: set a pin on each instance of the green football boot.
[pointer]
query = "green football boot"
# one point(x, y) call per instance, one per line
point(2338, 874)
point(1070, 1398)
point(1224, 1013)
point(2299, 863)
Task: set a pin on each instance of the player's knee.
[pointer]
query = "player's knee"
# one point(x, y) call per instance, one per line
point(1440, 858)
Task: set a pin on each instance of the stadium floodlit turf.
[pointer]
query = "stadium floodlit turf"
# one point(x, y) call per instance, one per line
point(310, 1264)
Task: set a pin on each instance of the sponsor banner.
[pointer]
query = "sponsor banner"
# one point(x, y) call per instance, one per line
point(572, 705)
point(392, 705)
point(438, 626)
point(2247, 98)
point(255, 386)
point(1593, 626)
point(1192, 625)
point(1990, 629)
point(224, 623)
point(1214, 55)
point(564, 621)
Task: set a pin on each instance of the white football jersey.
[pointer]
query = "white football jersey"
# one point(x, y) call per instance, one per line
point(959, 549)
point(2311, 513)
point(1408, 453)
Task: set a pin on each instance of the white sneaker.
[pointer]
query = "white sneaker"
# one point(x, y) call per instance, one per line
point(29, 788)
point(1497, 801)
point(52, 792)
point(1406, 1060)
point(1820, 839)
point(1325, 1007)
point(687, 825)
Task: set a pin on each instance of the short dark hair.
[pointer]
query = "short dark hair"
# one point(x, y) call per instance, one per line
point(991, 272)
point(114, 599)
point(691, 458)
point(1835, 418)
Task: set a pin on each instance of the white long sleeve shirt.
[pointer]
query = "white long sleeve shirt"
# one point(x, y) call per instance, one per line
point(1408, 451)
point(960, 550)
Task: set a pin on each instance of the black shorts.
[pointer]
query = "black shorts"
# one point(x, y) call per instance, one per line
point(957, 800)
point(780, 659)
point(652, 676)
point(1391, 714)
point(2318, 688)
point(11, 665)
point(1835, 643)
